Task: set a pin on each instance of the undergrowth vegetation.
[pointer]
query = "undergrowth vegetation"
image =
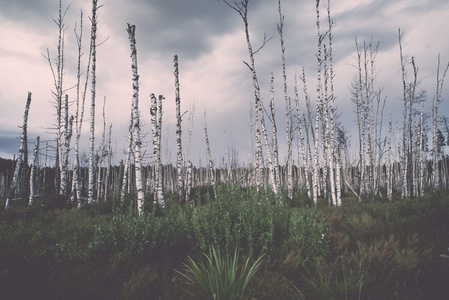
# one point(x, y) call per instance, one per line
point(368, 250)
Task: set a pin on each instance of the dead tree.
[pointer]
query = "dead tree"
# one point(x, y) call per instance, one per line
point(178, 133)
point(437, 102)
point(94, 21)
point(21, 153)
point(289, 161)
point(136, 124)
point(156, 121)
point(242, 9)
point(189, 162)
point(209, 156)
point(33, 169)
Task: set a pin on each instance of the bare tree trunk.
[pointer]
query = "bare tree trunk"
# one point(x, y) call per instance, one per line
point(178, 134)
point(67, 134)
point(209, 157)
point(333, 154)
point(92, 107)
point(423, 159)
point(318, 108)
point(136, 124)
point(242, 10)
point(329, 136)
point(156, 121)
point(362, 124)
point(189, 164)
point(274, 136)
point(33, 169)
point(127, 166)
point(389, 179)
point(438, 100)
point(109, 162)
point(302, 149)
point(76, 190)
point(405, 190)
point(289, 161)
point(15, 177)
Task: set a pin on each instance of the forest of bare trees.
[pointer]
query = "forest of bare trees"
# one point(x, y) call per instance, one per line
point(401, 157)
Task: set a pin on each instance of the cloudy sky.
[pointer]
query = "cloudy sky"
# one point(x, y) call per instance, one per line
point(209, 39)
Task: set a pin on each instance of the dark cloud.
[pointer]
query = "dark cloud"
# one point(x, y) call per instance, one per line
point(175, 27)
point(9, 144)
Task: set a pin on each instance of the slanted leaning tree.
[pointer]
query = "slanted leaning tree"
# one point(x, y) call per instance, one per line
point(21, 152)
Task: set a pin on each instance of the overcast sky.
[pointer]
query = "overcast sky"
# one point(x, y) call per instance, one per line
point(209, 39)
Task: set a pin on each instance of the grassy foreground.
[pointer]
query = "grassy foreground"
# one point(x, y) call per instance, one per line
point(369, 250)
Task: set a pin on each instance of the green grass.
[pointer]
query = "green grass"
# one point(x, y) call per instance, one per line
point(219, 276)
point(368, 250)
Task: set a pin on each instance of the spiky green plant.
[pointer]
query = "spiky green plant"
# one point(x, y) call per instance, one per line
point(219, 276)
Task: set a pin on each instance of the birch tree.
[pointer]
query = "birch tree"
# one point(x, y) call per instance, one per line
point(109, 163)
point(94, 21)
point(289, 161)
point(15, 177)
point(58, 79)
point(129, 152)
point(389, 179)
point(79, 115)
point(209, 156)
point(67, 136)
point(318, 107)
point(189, 162)
point(277, 174)
point(178, 133)
point(136, 124)
point(242, 9)
point(33, 170)
point(302, 148)
point(333, 154)
point(156, 122)
point(437, 102)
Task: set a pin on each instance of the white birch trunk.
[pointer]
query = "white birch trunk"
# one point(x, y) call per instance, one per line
point(67, 134)
point(209, 157)
point(302, 149)
point(33, 169)
point(328, 136)
point(178, 134)
point(156, 121)
point(127, 166)
point(318, 109)
point(274, 136)
point(289, 161)
point(136, 124)
point(189, 164)
point(92, 107)
point(362, 125)
point(405, 191)
point(15, 177)
point(389, 179)
point(109, 162)
point(242, 10)
point(423, 160)
point(334, 154)
point(438, 99)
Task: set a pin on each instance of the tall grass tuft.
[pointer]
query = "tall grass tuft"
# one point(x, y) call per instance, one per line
point(219, 276)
